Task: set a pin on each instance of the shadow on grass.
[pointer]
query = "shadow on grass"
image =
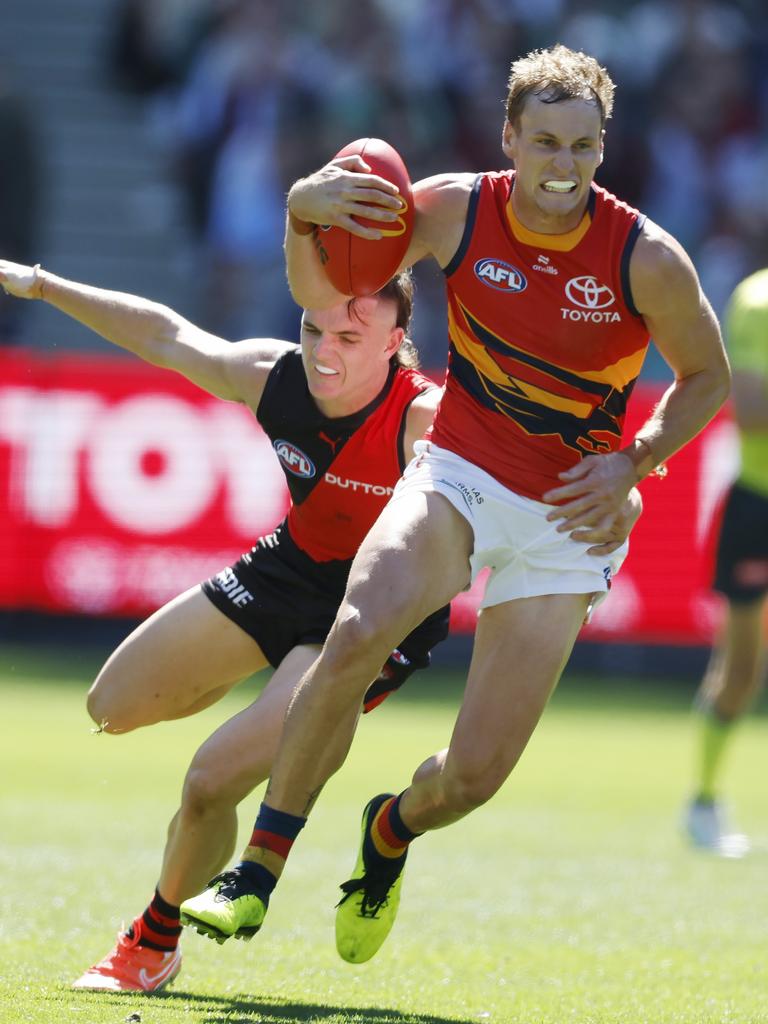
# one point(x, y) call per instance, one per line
point(259, 1010)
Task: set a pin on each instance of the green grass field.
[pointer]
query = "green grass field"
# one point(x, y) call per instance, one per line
point(569, 898)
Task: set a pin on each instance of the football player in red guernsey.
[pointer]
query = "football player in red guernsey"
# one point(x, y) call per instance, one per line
point(343, 410)
point(554, 289)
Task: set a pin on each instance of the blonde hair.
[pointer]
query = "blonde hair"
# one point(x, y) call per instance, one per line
point(558, 74)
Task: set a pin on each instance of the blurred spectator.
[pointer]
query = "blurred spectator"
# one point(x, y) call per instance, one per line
point(154, 41)
point(241, 125)
point(20, 192)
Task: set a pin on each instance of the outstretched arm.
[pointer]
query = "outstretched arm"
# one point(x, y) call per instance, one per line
point(667, 293)
point(154, 332)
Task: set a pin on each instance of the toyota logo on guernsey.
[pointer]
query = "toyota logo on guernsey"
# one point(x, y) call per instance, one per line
point(500, 275)
point(592, 298)
point(294, 459)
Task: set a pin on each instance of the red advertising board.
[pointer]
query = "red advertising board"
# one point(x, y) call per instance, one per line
point(122, 485)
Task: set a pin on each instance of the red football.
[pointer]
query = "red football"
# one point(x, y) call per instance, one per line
point(361, 266)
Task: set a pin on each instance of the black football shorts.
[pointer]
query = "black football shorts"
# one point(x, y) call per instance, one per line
point(282, 598)
point(742, 554)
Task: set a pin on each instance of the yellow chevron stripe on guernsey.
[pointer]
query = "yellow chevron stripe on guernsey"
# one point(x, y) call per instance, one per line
point(552, 401)
point(617, 374)
point(476, 353)
point(620, 373)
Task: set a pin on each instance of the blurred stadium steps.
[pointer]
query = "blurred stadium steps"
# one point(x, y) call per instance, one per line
point(112, 214)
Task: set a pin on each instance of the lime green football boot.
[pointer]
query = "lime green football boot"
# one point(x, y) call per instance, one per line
point(367, 910)
point(228, 906)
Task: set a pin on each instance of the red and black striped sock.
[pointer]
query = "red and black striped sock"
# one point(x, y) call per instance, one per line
point(273, 836)
point(159, 926)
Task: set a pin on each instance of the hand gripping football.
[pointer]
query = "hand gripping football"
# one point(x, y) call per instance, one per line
point(361, 266)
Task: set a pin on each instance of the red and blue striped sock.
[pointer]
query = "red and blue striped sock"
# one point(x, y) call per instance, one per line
point(273, 836)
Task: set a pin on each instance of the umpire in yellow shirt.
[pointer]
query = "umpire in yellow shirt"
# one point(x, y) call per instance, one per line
point(736, 671)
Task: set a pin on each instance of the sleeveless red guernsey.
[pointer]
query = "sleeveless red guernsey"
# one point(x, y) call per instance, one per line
point(545, 341)
point(340, 472)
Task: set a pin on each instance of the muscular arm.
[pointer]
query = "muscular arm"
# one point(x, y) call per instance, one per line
point(680, 320)
point(332, 195)
point(441, 213)
point(419, 418)
point(342, 190)
point(154, 332)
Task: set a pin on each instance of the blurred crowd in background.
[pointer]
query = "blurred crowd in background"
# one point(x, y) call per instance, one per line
point(244, 96)
point(21, 191)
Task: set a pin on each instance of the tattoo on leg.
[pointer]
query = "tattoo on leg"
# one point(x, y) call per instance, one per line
point(311, 801)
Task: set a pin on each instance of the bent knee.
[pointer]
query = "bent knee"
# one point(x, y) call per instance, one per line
point(356, 639)
point(206, 789)
point(117, 705)
point(354, 629)
point(107, 713)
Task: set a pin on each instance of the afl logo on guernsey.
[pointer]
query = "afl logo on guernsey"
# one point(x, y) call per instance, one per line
point(501, 276)
point(294, 459)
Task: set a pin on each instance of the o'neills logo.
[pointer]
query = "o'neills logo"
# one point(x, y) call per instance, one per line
point(500, 275)
point(294, 459)
point(358, 485)
point(592, 300)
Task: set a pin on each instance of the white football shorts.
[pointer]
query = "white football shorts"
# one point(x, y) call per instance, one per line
point(525, 553)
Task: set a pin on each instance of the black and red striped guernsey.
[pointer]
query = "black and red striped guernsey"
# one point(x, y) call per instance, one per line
point(340, 472)
point(545, 340)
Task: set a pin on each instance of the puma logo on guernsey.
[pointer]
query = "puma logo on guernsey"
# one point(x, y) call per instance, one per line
point(230, 585)
point(294, 459)
point(358, 485)
point(328, 440)
point(499, 275)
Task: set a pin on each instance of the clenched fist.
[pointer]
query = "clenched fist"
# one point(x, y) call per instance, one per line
point(23, 282)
